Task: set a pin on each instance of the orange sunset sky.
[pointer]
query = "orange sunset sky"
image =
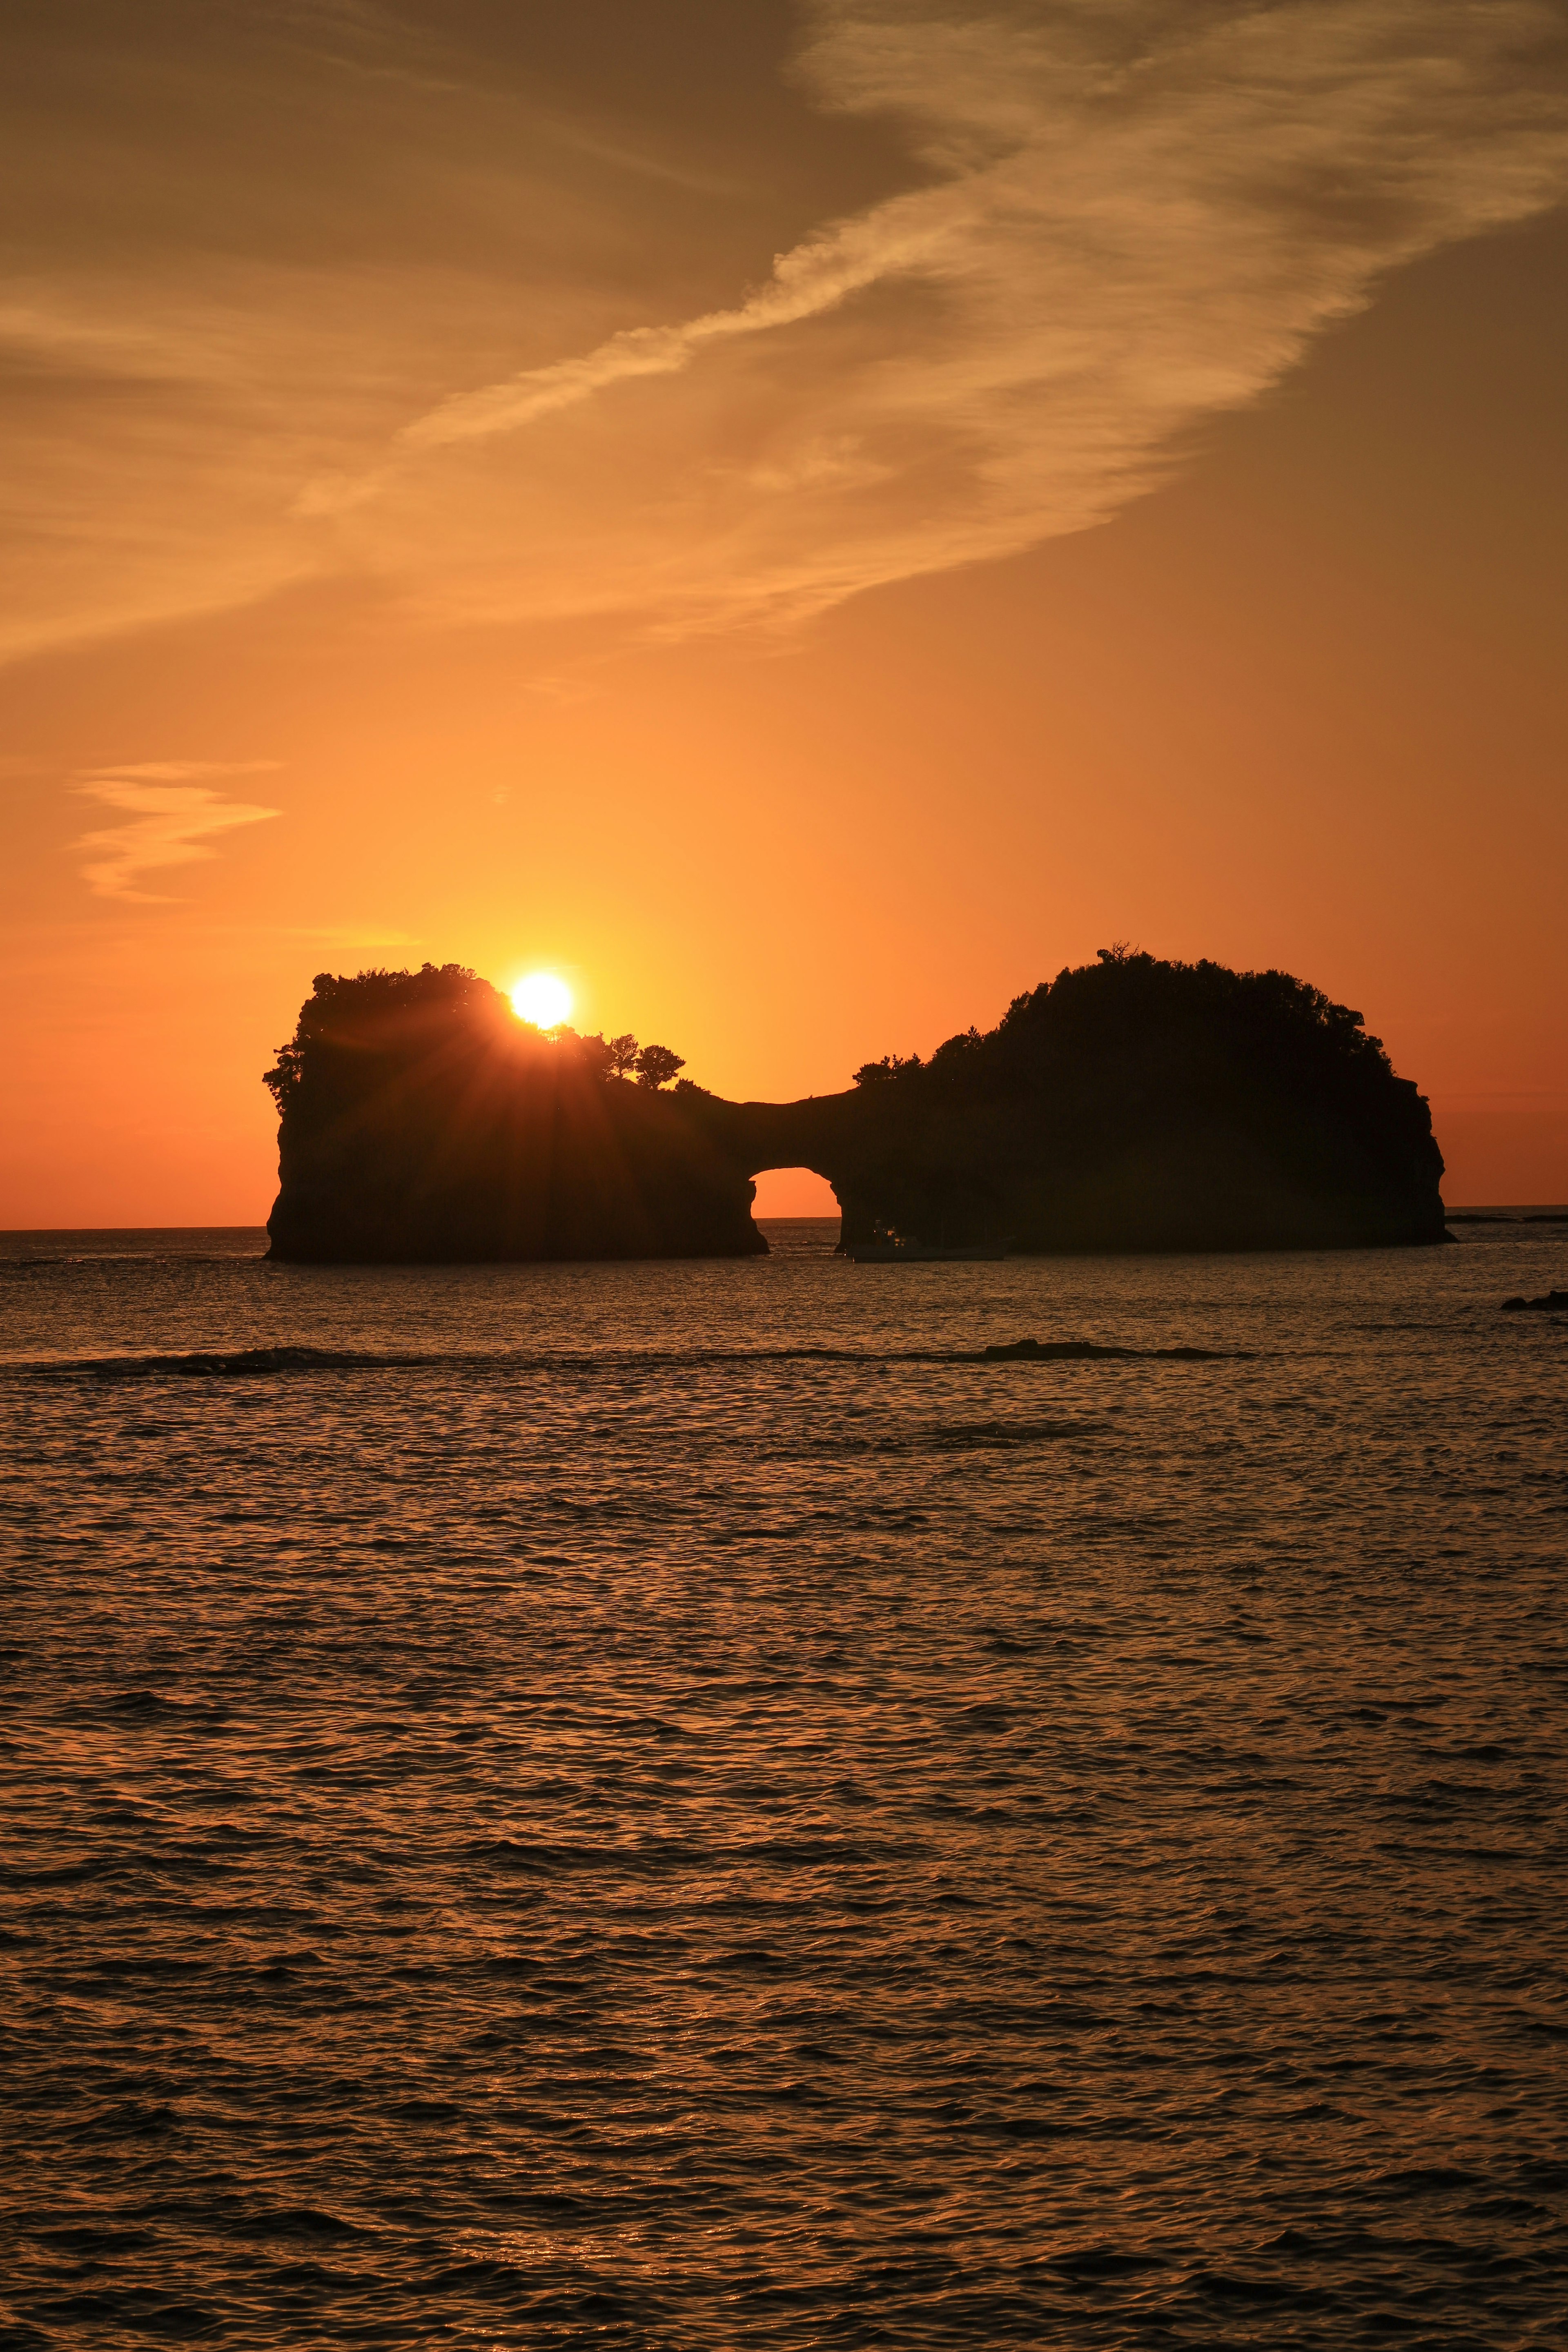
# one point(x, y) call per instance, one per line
point(802, 520)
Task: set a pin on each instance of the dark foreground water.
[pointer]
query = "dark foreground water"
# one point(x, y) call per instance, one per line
point(623, 1833)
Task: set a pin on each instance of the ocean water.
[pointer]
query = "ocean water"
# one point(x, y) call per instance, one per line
point(672, 1806)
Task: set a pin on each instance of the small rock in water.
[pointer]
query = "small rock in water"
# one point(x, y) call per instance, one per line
point(1550, 1302)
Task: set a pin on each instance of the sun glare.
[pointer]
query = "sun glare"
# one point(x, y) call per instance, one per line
point(542, 999)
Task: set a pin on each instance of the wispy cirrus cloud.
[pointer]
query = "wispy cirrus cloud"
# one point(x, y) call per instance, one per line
point(1141, 214)
point(1131, 216)
point(174, 820)
point(813, 277)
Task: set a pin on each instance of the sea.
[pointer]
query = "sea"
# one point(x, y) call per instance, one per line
point(684, 1805)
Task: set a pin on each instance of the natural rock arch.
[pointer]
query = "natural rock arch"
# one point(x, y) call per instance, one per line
point(821, 1133)
point(1135, 1104)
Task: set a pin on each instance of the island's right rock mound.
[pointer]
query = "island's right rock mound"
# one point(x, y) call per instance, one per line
point(1135, 1103)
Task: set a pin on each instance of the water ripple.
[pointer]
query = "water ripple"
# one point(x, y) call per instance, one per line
point(656, 1807)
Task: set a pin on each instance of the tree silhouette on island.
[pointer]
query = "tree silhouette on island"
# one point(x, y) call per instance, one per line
point(1130, 1104)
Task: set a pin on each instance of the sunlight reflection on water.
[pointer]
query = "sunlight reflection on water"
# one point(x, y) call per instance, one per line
point(549, 1847)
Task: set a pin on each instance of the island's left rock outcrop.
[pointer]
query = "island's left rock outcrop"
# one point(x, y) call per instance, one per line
point(421, 1122)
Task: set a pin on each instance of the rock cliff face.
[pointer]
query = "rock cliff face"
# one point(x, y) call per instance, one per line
point(1127, 1105)
point(422, 1122)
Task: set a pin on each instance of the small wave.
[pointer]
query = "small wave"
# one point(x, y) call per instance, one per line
point(985, 1436)
point(33, 1262)
point(254, 1363)
point(1073, 1350)
point(298, 2221)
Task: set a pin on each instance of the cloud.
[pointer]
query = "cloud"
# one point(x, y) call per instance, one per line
point(173, 820)
point(1131, 217)
point(1139, 216)
point(814, 277)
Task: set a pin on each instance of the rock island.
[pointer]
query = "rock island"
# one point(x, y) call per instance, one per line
point(1130, 1104)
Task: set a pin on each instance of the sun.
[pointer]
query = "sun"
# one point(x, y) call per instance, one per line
point(542, 1000)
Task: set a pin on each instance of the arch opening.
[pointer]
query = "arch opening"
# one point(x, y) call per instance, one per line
point(797, 1209)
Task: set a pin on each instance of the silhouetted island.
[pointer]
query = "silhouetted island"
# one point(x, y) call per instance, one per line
point(1127, 1105)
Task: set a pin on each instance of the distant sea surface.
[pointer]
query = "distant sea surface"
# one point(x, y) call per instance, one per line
point(666, 1805)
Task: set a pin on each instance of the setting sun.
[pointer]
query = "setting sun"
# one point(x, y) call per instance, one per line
point(542, 999)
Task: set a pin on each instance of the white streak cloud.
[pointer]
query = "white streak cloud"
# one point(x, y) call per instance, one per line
point(814, 277)
point(1133, 215)
point(1139, 217)
point(173, 821)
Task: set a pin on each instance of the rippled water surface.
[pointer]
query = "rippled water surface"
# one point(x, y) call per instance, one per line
point(697, 1814)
